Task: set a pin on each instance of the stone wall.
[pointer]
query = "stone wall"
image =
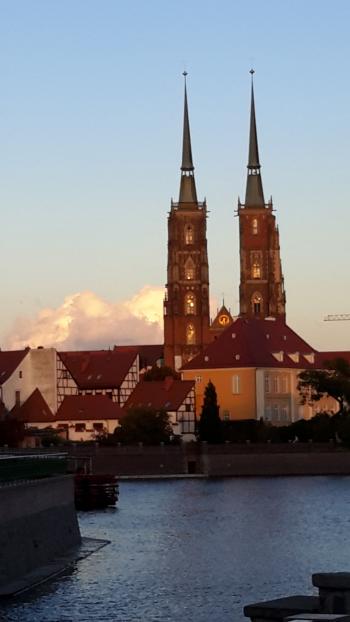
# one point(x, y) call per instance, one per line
point(37, 523)
point(218, 460)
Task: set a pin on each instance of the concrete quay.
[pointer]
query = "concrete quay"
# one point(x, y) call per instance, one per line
point(39, 532)
point(331, 604)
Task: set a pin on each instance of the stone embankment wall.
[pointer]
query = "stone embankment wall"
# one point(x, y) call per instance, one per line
point(37, 523)
point(229, 460)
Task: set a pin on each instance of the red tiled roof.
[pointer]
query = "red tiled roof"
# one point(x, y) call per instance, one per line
point(149, 354)
point(256, 343)
point(88, 408)
point(98, 369)
point(34, 410)
point(9, 361)
point(322, 357)
point(168, 394)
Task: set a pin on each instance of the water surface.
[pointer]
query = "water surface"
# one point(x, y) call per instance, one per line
point(199, 550)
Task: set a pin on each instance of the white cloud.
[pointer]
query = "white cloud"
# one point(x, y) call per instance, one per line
point(86, 321)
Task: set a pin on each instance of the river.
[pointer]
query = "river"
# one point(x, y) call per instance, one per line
point(199, 550)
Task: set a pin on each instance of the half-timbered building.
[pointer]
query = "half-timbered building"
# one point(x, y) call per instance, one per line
point(176, 397)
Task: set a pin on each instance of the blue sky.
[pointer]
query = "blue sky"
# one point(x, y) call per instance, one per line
point(91, 103)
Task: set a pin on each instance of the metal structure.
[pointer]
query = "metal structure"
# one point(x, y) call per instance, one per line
point(337, 318)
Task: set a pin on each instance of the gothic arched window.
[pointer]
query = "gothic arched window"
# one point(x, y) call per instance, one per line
point(257, 303)
point(190, 334)
point(255, 226)
point(256, 271)
point(189, 236)
point(189, 270)
point(190, 304)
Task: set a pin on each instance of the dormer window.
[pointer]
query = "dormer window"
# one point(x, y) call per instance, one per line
point(189, 237)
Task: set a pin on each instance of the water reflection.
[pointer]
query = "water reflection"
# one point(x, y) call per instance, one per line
point(199, 550)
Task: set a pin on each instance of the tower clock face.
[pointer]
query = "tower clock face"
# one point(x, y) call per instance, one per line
point(224, 320)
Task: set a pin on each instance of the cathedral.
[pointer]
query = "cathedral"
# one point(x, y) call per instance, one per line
point(187, 327)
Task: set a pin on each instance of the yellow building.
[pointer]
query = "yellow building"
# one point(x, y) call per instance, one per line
point(254, 366)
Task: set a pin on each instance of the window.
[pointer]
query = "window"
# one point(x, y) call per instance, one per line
point(256, 271)
point(275, 412)
point(284, 384)
point(63, 426)
point(190, 304)
point(226, 415)
point(257, 304)
point(189, 270)
point(189, 234)
point(65, 374)
point(98, 426)
point(80, 427)
point(190, 335)
point(284, 413)
point(198, 378)
point(18, 398)
point(255, 226)
point(268, 413)
point(235, 384)
point(20, 374)
point(267, 383)
point(276, 384)
point(188, 408)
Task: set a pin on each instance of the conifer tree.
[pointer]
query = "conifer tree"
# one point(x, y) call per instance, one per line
point(210, 429)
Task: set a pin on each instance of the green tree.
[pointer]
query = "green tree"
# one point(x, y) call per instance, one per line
point(144, 425)
point(210, 426)
point(333, 381)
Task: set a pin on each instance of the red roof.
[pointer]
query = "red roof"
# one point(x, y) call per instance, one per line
point(88, 408)
point(9, 361)
point(34, 410)
point(168, 394)
point(256, 343)
point(98, 369)
point(149, 354)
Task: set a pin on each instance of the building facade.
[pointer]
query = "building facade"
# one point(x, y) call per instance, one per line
point(186, 304)
point(254, 366)
point(261, 292)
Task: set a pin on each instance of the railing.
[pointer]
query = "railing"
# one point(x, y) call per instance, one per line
point(21, 467)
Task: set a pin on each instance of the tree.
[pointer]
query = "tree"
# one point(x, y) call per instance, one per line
point(144, 425)
point(333, 381)
point(160, 373)
point(11, 432)
point(210, 427)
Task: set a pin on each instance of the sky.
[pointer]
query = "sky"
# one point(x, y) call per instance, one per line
point(91, 105)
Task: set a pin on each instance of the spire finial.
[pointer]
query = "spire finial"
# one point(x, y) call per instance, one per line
point(187, 163)
point(254, 192)
point(187, 187)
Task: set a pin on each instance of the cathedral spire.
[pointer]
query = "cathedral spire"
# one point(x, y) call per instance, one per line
point(188, 192)
point(254, 192)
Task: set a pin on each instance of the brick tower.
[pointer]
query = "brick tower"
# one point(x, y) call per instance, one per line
point(261, 292)
point(186, 304)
